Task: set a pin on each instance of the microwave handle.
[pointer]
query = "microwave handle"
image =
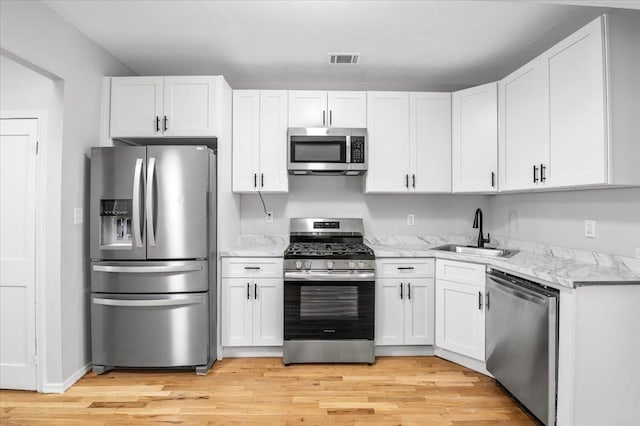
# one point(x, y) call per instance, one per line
point(348, 148)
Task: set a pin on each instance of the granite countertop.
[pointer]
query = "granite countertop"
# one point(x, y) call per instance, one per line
point(557, 266)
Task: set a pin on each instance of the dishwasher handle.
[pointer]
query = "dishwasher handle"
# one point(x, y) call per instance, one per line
point(517, 291)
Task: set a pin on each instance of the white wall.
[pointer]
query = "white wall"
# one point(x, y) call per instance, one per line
point(557, 218)
point(36, 35)
point(342, 196)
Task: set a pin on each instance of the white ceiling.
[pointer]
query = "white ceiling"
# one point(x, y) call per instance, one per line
point(405, 45)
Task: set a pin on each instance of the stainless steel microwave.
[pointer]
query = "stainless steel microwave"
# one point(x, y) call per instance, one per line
point(327, 151)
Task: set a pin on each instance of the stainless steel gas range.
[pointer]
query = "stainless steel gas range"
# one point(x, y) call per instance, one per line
point(329, 293)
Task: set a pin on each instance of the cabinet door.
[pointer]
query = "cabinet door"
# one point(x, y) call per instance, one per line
point(460, 318)
point(577, 113)
point(389, 313)
point(475, 139)
point(237, 305)
point(246, 140)
point(430, 136)
point(388, 130)
point(189, 106)
point(419, 312)
point(523, 110)
point(307, 109)
point(268, 311)
point(273, 141)
point(136, 106)
point(347, 109)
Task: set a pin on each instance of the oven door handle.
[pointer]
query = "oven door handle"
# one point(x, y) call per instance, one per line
point(329, 276)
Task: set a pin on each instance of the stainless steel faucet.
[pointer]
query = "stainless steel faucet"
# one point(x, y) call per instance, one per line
point(477, 224)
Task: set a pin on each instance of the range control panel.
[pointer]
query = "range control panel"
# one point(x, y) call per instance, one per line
point(357, 149)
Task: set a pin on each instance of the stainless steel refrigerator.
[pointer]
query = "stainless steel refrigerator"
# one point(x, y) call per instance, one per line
point(153, 257)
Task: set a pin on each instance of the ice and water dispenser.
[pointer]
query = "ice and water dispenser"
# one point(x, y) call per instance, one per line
point(115, 227)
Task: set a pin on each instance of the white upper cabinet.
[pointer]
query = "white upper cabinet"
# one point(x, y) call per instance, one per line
point(347, 109)
point(523, 137)
point(189, 106)
point(327, 109)
point(475, 139)
point(260, 141)
point(577, 111)
point(163, 106)
point(136, 106)
point(430, 141)
point(388, 131)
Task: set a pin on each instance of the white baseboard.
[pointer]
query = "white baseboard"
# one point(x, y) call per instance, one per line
point(61, 387)
point(252, 352)
point(470, 363)
point(404, 350)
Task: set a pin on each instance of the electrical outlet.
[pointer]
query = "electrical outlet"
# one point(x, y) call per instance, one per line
point(411, 220)
point(590, 228)
point(77, 215)
point(269, 217)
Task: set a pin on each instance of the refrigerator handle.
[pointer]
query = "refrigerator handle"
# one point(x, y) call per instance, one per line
point(149, 202)
point(137, 182)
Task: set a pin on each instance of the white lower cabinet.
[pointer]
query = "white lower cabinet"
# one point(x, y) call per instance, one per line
point(252, 302)
point(460, 308)
point(405, 303)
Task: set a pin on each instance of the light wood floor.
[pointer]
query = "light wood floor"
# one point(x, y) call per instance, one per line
point(398, 390)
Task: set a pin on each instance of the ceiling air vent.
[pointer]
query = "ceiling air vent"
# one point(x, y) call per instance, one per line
point(344, 58)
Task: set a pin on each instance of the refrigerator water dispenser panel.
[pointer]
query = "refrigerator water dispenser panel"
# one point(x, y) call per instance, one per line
point(115, 219)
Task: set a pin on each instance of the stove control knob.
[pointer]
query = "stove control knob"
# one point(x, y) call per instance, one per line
point(361, 265)
point(298, 264)
point(307, 264)
point(352, 264)
point(329, 264)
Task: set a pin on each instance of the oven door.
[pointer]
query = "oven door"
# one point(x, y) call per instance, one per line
point(329, 309)
point(318, 153)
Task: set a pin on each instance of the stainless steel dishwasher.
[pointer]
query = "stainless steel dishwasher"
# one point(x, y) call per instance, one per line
point(522, 341)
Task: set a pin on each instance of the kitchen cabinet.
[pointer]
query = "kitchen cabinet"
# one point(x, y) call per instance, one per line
point(252, 302)
point(460, 308)
point(260, 141)
point(474, 147)
point(327, 109)
point(182, 106)
point(405, 302)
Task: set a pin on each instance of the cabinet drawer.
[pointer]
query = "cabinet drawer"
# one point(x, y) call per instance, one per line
point(405, 267)
point(251, 267)
point(461, 272)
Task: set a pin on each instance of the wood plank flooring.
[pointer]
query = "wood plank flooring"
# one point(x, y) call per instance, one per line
point(239, 391)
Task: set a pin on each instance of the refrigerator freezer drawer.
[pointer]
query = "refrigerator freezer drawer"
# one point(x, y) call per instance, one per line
point(144, 330)
point(150, 276)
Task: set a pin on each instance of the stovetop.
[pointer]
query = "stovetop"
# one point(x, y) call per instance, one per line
point(328, 250)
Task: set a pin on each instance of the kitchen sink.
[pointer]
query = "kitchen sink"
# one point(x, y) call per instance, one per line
point(480, 251)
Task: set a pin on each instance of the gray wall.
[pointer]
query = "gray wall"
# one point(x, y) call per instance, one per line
point(557, 218)
point(35, 35)
point(341, 196)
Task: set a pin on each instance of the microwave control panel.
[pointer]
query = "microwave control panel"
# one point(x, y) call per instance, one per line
point(357, 149)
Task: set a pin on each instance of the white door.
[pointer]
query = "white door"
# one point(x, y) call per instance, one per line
point(347, 109)
point(524, 111)
point(475, 139)
point(268, 311)
point(419, 312)
point(246, 140)
point(460, 318)
point(430, 135)
point(389, 312)
point(189, 106)
point(577, 112)
point(273, 141)
point(136, 106)
point(307, 108)
point(237, 305)
point(388, 130)
point(18, 138)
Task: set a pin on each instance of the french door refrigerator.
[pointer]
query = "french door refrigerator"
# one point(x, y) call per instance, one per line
point(153, 257)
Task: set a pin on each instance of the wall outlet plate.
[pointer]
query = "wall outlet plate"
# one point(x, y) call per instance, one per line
point(590, 228)
point(77, 215)
point(411, 219)
point(269, 217)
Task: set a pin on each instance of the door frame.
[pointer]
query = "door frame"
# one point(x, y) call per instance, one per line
point(40, 235)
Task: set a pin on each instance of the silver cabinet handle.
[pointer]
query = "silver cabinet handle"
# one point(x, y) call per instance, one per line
point(149, 202)
point(148, 269)
point(194, 300)
point(137, 183)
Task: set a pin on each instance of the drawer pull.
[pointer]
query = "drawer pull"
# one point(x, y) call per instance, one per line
point(406, 268)
point(252, 268)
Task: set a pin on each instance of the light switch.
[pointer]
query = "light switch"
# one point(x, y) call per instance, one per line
point(590, 228)
point(77, 215)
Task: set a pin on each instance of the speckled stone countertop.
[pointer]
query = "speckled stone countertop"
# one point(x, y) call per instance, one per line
point(559, 266)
